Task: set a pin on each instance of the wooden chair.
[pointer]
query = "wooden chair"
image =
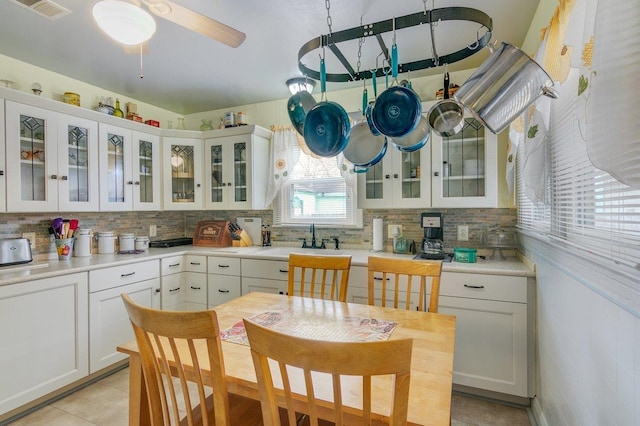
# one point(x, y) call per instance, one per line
point(319, 276)
point(364, 359)
point(398, 277)
point(165, 336)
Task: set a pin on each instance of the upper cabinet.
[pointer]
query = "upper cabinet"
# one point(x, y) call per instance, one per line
point(400, 180)
point(182, 173)
point(465, 168)
point(236, 168)
point(147, 194)
point(52, 160)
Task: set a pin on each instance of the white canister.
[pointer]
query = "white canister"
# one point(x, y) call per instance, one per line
point(106, 242)
point(126, 242)
point(82, 245)
point(142, 243)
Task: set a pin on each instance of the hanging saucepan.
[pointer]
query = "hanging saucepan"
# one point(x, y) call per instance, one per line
point(506, 83)
point(446, 117)
point(398, 109)
point(364, 149)
point(326, 127)
point(416, 139)
point(298, 107)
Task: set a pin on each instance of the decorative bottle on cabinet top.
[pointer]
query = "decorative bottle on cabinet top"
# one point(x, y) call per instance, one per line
point(117, 112)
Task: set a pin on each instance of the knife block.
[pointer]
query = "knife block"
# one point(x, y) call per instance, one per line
point(211, 233)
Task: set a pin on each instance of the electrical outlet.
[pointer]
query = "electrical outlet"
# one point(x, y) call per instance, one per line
point(31, 236)
point(391, 230)
point(463, 233)
point(153, 231)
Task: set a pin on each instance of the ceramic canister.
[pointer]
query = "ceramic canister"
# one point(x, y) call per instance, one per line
point(126, 242)
point(142, 243)
point(82, 246)
point(106, 242)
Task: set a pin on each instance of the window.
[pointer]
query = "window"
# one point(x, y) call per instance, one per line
point(317, 192)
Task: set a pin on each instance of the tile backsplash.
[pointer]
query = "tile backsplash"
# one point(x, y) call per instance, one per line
point(177, 224)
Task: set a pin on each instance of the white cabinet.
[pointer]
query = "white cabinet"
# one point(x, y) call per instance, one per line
point(236, 168)
point(52, 160)
point(223, 279)
point(195, 282)
point(400, 180)
point(182, 158)
point(267, 276)
point(109, 324)
point(492, 338)
point(43, 324)
point(129, 169)
point(465, 168)
point(358, 290)
point(173, 283)
point(3, 182)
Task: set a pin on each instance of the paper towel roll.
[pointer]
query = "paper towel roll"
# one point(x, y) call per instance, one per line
point(377, 235)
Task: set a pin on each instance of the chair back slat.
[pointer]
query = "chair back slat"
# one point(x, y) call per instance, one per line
point(319, 276)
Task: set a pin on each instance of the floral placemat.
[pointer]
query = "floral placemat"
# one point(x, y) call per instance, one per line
point(343, 329)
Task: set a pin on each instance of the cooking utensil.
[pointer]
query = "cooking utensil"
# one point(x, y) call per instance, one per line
point(416, 139)
point(398, 109)
point(502, 88)
point(73, 225)
point(364, 149)
point(56, 224)
point(446, 117)
point(326, 126)
point(298, 107)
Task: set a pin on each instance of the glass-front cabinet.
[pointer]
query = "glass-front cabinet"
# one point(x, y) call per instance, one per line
point(183, 173)
point(464, 168)
point(116, 181)
point(400, 180)
point(236, 168)
point(146, 171)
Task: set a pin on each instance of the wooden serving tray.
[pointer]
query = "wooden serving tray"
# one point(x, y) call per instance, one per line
point(212, 233)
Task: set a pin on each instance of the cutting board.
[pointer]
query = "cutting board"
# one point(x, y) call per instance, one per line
point(253, 226)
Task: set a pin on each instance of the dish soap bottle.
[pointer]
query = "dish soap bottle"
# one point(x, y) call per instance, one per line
point(117, 112)
point(399, 243)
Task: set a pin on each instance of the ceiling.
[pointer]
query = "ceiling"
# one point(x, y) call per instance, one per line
point(186, 73)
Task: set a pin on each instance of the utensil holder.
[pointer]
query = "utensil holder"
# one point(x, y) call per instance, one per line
point(64, 247)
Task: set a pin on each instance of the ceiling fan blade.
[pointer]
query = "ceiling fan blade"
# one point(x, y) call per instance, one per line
point(137, 49)
point(196, 22)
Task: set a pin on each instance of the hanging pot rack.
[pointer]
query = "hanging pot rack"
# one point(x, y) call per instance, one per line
point(376, 30)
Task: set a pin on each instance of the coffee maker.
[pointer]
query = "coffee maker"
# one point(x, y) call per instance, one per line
point(433, 241)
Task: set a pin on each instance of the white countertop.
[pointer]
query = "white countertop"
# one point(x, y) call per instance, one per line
point(51, 268)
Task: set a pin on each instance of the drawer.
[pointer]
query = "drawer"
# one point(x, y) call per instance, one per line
point(195, 263)
point(223, 265)
point(251, 284)
point(116, 276)
point(222, 288)
point(196, 286)
point(173, 290)
point(487, 287)
point(172, 265)
point(268, 269)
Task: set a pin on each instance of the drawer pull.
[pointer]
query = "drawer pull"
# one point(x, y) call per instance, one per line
point(196, 288)
point(174, 265)
point(473, 286)
point(223, 266)
point(284, 271)
point(195, 263)
point(157, 290)
point(127, 275)
point(223, 291)
point(174, 290)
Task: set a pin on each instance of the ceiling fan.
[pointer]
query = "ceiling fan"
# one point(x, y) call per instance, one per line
point(131, 13)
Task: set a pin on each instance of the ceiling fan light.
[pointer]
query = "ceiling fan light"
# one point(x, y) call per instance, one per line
point(124, 22)
point(298, 84)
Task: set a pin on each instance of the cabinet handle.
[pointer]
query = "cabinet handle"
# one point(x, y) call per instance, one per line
point(387, 176)
point(54, 176)
point(157, 290)
point(127, 275)
point(1, 172)
point(195, 263)
point(223, 291)
point(395, 176)
point(136, 182)
point(223, 266)
point(284, 271)
point(174, 265)
point(174, 290)
point(129, 182)
point(229, 184)
point(436, 173)
point(223, 184)
point(196, 288)
point(197, 185)
point(473, 286)
point(64, 178)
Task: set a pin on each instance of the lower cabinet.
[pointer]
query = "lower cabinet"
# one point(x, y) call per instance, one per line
point(43, 324)
point(223, 279)
point(195, 282)
point(358, 290)
point(173, 283)
point(493, 342)
point(267, 276)
point(109, 324)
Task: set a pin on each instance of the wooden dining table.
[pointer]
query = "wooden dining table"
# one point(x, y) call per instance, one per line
point(431, 364)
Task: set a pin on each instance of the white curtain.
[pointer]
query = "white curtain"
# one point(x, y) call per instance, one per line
point(283, 157)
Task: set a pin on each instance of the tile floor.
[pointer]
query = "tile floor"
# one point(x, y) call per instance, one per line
point(105, 403)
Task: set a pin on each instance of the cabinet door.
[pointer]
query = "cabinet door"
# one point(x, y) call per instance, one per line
point(146, 171)
point(183, 173)
point(43, 324)
point(173, 292)
point(374, 185)
point(196, 290)
point(465, 168)
point(217, 162)
point(116, 182)
point(411, 178)
point(3, 183)
point(77, 164)
point(31, 135)
point(222, 288)
point(491, 344)
point(263, 285)
point(109, 324)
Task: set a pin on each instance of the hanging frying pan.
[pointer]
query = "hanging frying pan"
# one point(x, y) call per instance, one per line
point(326, 126)
point(298, 107)
point(416, 139)
point(364, 148)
